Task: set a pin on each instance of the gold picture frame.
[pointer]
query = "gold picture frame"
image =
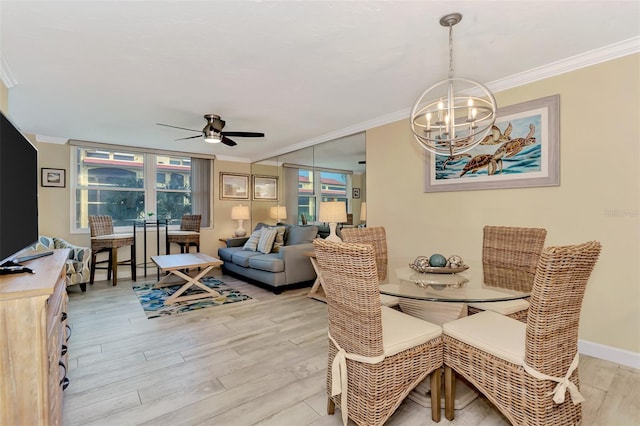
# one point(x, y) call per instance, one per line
point(234, 186)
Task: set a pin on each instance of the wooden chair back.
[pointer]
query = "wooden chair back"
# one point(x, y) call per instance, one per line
point(375, 236)
point(556, 301)
point(100, 225)
point(510, 256)
point(190, 222)
point(350, 282)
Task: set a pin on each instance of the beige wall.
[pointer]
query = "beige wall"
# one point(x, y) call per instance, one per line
point(55, 209)
point(598, 199)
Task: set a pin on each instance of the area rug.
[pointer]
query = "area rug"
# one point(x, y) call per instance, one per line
point(152, 299)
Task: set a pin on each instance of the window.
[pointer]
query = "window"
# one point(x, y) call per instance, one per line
point(332, 186)
point(117, 183)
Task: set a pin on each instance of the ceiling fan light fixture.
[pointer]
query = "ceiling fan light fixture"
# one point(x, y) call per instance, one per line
point(211, 135)
point(213, 139)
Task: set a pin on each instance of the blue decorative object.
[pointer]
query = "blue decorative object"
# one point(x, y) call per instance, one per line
point(437, 260)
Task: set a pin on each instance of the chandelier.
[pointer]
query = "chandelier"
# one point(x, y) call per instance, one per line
point(454, 115)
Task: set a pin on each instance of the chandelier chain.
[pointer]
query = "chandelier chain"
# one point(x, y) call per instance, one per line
point(450, 50)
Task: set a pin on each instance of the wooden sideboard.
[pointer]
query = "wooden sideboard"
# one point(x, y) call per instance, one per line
point(33, 332)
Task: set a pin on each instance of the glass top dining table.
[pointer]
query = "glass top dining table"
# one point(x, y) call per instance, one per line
point(463, 287)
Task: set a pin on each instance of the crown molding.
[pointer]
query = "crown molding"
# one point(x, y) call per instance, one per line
point(51, 139)
point(5, 73)
point(572, 63)
point(593, 57)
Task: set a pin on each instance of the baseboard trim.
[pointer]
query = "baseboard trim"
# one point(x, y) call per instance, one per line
point(609, 353)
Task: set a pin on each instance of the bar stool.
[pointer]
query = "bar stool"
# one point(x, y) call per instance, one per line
point(103, 239)
point(188, 235)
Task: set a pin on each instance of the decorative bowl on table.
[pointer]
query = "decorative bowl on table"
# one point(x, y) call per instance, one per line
point(438, 264)
point(440, 270)
point(436, 282)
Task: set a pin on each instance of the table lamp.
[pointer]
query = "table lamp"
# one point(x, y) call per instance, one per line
point(278, 213)
point(363, 211)
point(240, 213)
point(333, 212)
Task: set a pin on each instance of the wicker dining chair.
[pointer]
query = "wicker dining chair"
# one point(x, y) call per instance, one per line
point(377, 355)
point(377, 237)
point(509, 259)
point(103, 239)
point(526, 369)
point(188, 234)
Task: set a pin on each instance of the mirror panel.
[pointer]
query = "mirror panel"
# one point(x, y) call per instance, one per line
point(345, 154)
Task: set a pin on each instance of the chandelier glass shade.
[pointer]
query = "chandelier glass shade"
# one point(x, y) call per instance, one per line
point(454, 115)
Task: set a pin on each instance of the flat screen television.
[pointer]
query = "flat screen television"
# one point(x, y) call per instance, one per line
point(18, 192)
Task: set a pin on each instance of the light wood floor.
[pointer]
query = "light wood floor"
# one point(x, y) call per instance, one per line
point(261, 362)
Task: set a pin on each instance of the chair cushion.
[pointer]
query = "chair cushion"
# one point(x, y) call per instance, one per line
point(252, 242)
point(494, 333)
point(113, 236)
point(506, 307)
point(179, 232)
point(401, 331)
point(301, 235)
point(267, 262)
point(389, 301)
point(267, 237)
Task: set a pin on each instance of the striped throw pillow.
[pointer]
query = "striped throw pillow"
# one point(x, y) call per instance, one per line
point(267, 238)
point(279, 241)
point(252, 242)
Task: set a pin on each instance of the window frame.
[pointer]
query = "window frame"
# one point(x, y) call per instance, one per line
point(149, 187)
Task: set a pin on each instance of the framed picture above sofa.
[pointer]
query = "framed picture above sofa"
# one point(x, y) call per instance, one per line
point(265, 188)
point(234, 186)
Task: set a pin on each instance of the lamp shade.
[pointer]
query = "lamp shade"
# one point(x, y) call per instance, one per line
point(278, 212)
point(240, 212)
point(333, 211)
point(363, 211)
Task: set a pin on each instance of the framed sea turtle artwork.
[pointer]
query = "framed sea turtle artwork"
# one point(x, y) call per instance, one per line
point(521, 150)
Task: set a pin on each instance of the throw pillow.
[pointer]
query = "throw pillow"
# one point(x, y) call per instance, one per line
point(301, 234)
point(279, 241)
point(252, 242)
point(267, 237)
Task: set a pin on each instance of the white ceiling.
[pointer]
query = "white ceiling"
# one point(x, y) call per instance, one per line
point(301, 72)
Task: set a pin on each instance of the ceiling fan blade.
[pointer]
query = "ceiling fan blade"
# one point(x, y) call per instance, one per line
point(244, 134)
point(190, 137)
point(225, 140)
point(176, 127)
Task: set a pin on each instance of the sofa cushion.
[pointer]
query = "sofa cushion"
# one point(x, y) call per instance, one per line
point(279, 241)
point(267, 237)
point(252, 242)
point(267, 262)
point(241, 257)
point(226, 253)
point(301, 235)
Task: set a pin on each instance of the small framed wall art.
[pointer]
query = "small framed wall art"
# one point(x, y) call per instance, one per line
point(234, 186)
point(265, 188)
point(53, 177)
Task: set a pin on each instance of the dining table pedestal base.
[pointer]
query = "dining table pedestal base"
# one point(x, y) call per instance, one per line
point(421, 394)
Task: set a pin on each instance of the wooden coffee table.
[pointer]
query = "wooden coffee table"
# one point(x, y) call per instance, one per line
point(175, 264)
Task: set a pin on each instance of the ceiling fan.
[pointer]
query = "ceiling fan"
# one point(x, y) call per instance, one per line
point(212, 131)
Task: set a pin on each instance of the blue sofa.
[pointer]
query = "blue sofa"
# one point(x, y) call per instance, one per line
point(283, 267)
